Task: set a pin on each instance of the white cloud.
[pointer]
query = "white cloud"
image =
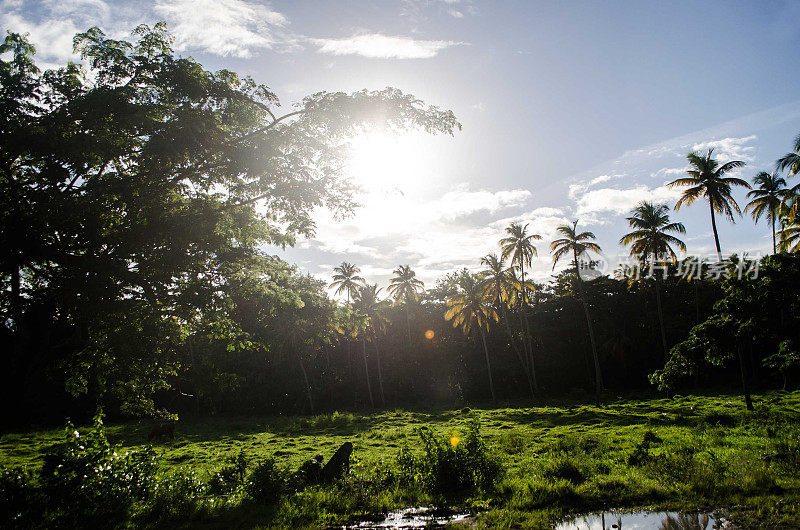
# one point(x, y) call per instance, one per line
point(456, 13)
point(461, 201)
point(222, 27)
point(621, 201)
point(376, 45)
point(727, 149)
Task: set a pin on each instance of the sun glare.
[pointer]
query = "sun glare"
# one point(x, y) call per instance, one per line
point(390, 163)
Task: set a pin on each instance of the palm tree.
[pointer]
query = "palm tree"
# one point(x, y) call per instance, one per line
point(471, 308)
point(368, 304)
point(707, 179)
point(791, 161)
point(405, 287)
point(518, 245)
point(650, 241)
point(767, 199)
point(347, 280)
point(577, 244)
point(790, 238)
point(499, 285)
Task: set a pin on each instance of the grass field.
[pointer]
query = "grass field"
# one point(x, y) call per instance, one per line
point(561, 458)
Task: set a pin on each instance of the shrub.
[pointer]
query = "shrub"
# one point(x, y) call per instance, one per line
point(19, 499)
point(266, 483)
point(176, 496)
point(451, 466)
point(87, 479)
point(231, 476)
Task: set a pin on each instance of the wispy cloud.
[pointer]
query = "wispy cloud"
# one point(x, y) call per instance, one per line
point(223, 27)
point(377, 45)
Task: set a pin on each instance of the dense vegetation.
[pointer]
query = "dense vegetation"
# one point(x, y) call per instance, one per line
point(136, 195)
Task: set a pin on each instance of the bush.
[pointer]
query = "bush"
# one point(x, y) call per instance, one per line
point(451, 466)
point(20, 500)
point(231, 476)
point(87, 479)
point(176, 496)
point(266, 483)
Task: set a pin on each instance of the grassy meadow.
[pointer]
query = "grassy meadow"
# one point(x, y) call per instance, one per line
point(560, 458)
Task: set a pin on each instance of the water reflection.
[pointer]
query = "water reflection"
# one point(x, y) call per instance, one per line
point(650, 520)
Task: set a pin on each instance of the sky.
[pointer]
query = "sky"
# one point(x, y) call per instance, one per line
point(570, 110)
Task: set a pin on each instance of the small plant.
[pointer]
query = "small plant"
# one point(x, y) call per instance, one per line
point(88, 479)
point(19, 499)
point(641, 454)
point(564, 468)
point(231, 476)
point(266, 483)
point(451, 465)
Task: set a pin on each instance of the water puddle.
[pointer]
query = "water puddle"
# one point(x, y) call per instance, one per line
point(615, 520)
point(415, 518)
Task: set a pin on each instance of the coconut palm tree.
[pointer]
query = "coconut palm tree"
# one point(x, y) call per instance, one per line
point(367, 302)
point(576, 244)
point(791, 161)
point(767, 199)
point(405, 288)
point(472, 309)
point(500, 286)
point(518, 245)
point(346, 280)
point(790, 238)
point(650, 241)
point(707, 179)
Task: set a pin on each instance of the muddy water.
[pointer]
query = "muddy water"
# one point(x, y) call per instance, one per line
point(415, 518)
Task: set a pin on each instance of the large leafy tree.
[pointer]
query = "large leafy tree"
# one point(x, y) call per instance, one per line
point(574, 244)
point(651, 242)
point(708, 179)
point(766, 200)
point(518, 245)
point(134, 188)
point(470, 309)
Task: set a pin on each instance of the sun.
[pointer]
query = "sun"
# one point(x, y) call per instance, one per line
point(387, 162)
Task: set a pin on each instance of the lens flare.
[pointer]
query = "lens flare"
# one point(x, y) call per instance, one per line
point(429, 334)
point(454, 440)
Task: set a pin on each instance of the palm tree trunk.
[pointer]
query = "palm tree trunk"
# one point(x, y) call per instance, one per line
point(366, 369)
point(714, 228)
point(745, 387)
point(774, 246)
point(524, 320)
point(516, 350)
point(661, 320)
point(194, 376)
point(305, 378)
point(598, 376)
point(380, 373)
point(488, 364)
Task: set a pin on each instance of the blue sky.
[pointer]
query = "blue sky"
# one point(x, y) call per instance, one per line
point(570, 109)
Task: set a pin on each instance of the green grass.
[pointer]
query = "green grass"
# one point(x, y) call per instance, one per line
point(691, 453)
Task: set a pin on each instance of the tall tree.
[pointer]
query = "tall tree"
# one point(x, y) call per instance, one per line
point(577, 244)
point(469, 309)
point(651, 242)
point(405, 288)
point(346, 280)
point(134, 189)
point(518, 245)
point(368, 303)
point(767, 199)
point(707, 178)
point(499, 284)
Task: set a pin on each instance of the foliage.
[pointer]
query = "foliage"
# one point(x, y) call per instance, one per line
point(266, 482)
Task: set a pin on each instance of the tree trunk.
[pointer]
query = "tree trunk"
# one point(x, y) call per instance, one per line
point(774, 246)
point(194, 376)
point(526, 331)
point(380, 373)
point(488, 364)
point(366, 370)
point(714, 228)
point(516, 350)
point(598, 376)
point(745, 387)
point(305, 378)
point(661, 321)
